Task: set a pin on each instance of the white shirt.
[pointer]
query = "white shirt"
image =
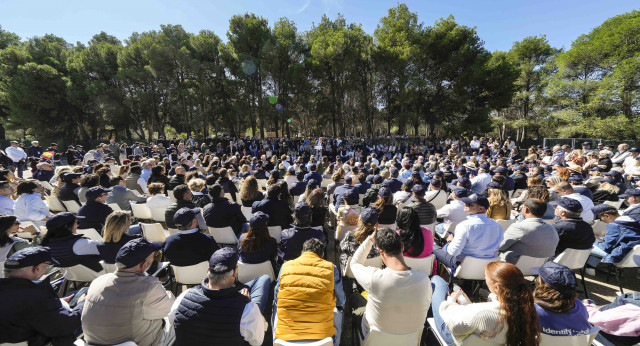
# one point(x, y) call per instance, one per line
point(143, 185)
point(158, 201)
point(475, 144)
point(15, 153)
point(453, 212)
point(31, 207)
point(587, 204)
point(629, 165)
point(7, 205)
point(252, 323)
point(85, 246)
point(479, 183)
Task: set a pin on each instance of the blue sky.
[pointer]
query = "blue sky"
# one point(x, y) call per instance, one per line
point(499, 22)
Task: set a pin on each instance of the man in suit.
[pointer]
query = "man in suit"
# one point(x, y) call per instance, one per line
point(530, 237)
point(121, 195)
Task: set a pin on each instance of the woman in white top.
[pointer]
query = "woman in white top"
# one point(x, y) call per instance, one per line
point(157, 199)
point(509, 318)
point(9, 244)
point(30, 206)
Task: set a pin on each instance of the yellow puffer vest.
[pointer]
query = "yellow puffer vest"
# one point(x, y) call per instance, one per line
point(306, 299)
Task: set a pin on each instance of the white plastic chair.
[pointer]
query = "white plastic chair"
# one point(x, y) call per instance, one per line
point(325, 182)
point(108, 267)
point(599, 228)
point(324, 342)
point(375, 262)
point(24, 343)
point(170, 194)
point(380, 338)
point(54, 204)
point(72, 206)
point(246, 211)
point(529, 265)
point(224, 235)
point(505, 224)
point(616, 204)
point(472, 268)
point(248, 272)
point(154, 231)
point(46, 185)
point(342, 231)
point(630, 260)
point(276, 233)
point(361, 200)
point(575, 259)
point(141, 211)
point(126, 343)
point(79, 273)
point(424, 264)
point(296, 199)
point(393, 226)
point(569, 340)
point(262, 184)
point(157, 214)
point(190, 275)
point(90, 233)
point(114, 206)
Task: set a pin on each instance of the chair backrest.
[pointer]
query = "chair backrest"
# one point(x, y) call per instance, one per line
point(173, 231)
point(393, 226)
point(114, 206)
point(617, 204)
point(108, 267)
point(170, 194)
point(141, 211)
point(46, 185)
point(342, 231)
point(246, 211)
point(54, 204)
point(90, 233)
point(153, 231)
point(361, 200)
point(529, 265)
point(325, 182)
point(296, 199)
point(424, 264)
point(224, 235)
point(24, 343)
point(568, 340)
point(380, 338)
point(248, 272)
point(630, 260)
point(191, 275)
point(599, 228)
point(431, 227)
point(80, 273)
point(262, 183)
point(276, 233)
point(505, 224)
point(473, 268)
point(157, 214)
point(72, 206)
point(573, 258)
point(324, 342)
point(375, 262)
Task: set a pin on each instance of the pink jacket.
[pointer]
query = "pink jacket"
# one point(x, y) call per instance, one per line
point(623, 320)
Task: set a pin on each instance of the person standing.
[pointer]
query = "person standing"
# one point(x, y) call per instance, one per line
point(17, 155)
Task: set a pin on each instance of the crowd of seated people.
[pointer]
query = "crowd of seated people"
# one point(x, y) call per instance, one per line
point(398, 201)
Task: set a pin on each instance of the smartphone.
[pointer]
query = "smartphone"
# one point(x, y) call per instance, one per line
point(462, 298)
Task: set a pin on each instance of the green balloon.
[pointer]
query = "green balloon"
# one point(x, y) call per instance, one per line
point(273, 99)
point(288, 120)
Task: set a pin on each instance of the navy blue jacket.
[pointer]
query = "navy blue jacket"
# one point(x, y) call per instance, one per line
point(338, 195)
point(312, 175)
point(228, 186)
point(622, 235)
point(574, 234)
point(583, 190)
point(269, 252)
point(222, 213)
point(394, 185)
point(62, 251)
point(298, 188)
point(67, 193)
point(259, 197)
point(186, 249)
point(279, 211)
point(43, 175)
point(293, 239)
point(362, 187)
point(95, 215)
point(109, 250)
point(32, 311)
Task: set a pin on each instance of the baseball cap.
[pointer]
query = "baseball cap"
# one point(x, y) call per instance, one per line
point(570, 204)
point(30, 256)
point(135, 251)
point(258, 220)
point(68, 177)
point(601, 208)
point(223, 260)
point(418, 189)
point(384, 193)
point(630, 192)
point(558, 277)
point(494, 185)
point(61, 219)
point(476, 199)
point(369, 216)
point(435, 183)
point(95, 192)
point(607, 180)
point(501, 170)
point(586, 143)
point(302, 208)
point(460, 191)
point(184, 216)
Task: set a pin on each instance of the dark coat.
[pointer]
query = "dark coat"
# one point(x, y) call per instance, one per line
point(574, 234)
point(279, 211)
point(222, 213)
point(95, 215)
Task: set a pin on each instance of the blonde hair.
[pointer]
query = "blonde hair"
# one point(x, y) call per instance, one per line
point(497, 196)
point(116, 225)
point(196, 184)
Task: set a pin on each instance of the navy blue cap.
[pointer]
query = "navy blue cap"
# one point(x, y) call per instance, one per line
point(501, 170)
point(377, 179)
point(485, 166)
point(302, 208)
point(634, 150)
point(494, 185)
point(369, 216)
point(558, 277)
point(595, 169)
point(575, 178)
point(68, 177)
point(435, 183)
point(223, 260)
point(61, 219)
point(476, 199)
point(92, 161)
point(393, 171)
point(136, 251)
point(570, 204)
point(291, 169)
point(351, 193)
point(259, 220)
point(418, 189)
point(94, 192)
point(630, 192)
point(461, 170)
point(348, 180)
point(465, 182)
point(586, 143)
point(184, 216)
point(313, 167)
point(460, 191)
point(384, 192)
point(601, 208)
point(31, 256)
point(607, 180)
point(312, 184)
point(416, 175)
